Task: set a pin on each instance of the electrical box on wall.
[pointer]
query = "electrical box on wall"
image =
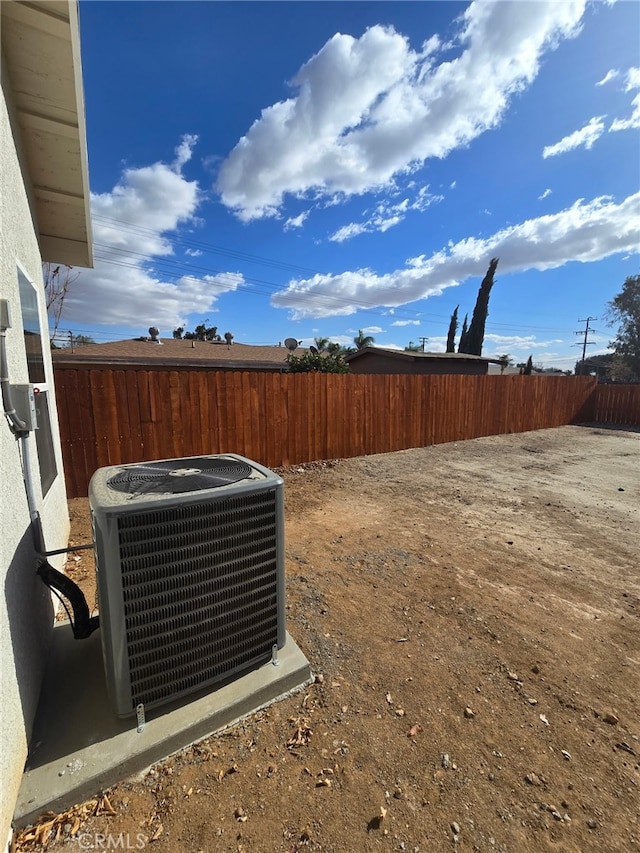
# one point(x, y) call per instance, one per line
point(5, 314)
point(23, 398)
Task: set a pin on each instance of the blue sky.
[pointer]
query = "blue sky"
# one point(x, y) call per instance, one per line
point(302, 169)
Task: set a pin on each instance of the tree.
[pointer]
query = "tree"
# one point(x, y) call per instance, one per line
point(82, 340)
point(453, 328)
point(475, 336)
point(624, 312)
point(464, 334)
point(528, 368)
point(322, 344)
point(361, 340)
point(505, 361)
point(57, 280)
point(413, 347)
point(202, 332)
point(598, 365)
point(315, 362)
point(79, 340)
point(206, 333)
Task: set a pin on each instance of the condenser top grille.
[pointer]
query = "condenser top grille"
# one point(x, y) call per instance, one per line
point(177, 476)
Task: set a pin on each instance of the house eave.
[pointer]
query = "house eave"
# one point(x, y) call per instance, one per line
point(41, 49)
point(404, 355)
point(78, 360)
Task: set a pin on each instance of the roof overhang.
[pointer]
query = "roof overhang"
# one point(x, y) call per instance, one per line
point(406, 355)
point(62, 358)
point(41, 47)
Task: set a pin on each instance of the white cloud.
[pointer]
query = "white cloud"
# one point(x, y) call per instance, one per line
point(586, 137)
point(224, 282)
point(633, 82)
point(425, 199)
point(372, 330)
point(343, 340)
point(386, 215)
point(406, 323)
point(194, 253)
point(184, 151)
point(368, 109)
point(610, 75)
point(545, 194)
point(132, 225)
point(584, 232)
point(508, 343)
point(348, 231)
point(633, 79)
point(453, 185)
point(296, 221)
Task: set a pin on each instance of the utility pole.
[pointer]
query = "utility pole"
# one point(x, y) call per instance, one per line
point(585, 334)
point(423, 342)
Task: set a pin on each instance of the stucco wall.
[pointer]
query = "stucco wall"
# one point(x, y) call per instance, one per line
point(26, 610)
point(381, 363)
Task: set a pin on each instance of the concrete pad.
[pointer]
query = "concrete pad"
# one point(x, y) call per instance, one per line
point(79, 747)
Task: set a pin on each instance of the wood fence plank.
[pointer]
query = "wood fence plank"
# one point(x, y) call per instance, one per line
point(249, 417)
point(228, 414)
point(108, 416)
point(135, 421)
point(215, 425)
point(105, 416)
point(146, 424)
point(123, 425)
point(71, 444)
point(156, 428)
point(281, 420)
point(190, 413)
point(204, 427)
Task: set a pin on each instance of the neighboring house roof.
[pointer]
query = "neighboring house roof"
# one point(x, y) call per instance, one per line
point(418, 356)
point(179, 353)
point(41, 47)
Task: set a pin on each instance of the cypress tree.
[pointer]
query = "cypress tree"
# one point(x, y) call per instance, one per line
point(453, 328)
point(464, 334)
point(528, 370)
point(475, 336)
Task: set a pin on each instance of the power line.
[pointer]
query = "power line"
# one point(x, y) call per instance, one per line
point(586, 342)
point(174, 270)
point(170, 268)
point(202, 245)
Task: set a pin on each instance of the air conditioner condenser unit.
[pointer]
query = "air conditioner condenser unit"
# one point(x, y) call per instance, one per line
point(190, 574)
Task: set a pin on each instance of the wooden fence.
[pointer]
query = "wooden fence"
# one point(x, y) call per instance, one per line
point(112, 416)
point(617, 404)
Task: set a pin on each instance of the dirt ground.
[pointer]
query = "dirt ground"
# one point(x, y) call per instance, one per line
point(471, 612)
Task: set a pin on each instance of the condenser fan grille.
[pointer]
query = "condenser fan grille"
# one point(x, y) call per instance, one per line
point(199, 584)
point(177, 476)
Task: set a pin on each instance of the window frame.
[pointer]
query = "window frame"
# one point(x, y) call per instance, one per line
point(38, 370)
